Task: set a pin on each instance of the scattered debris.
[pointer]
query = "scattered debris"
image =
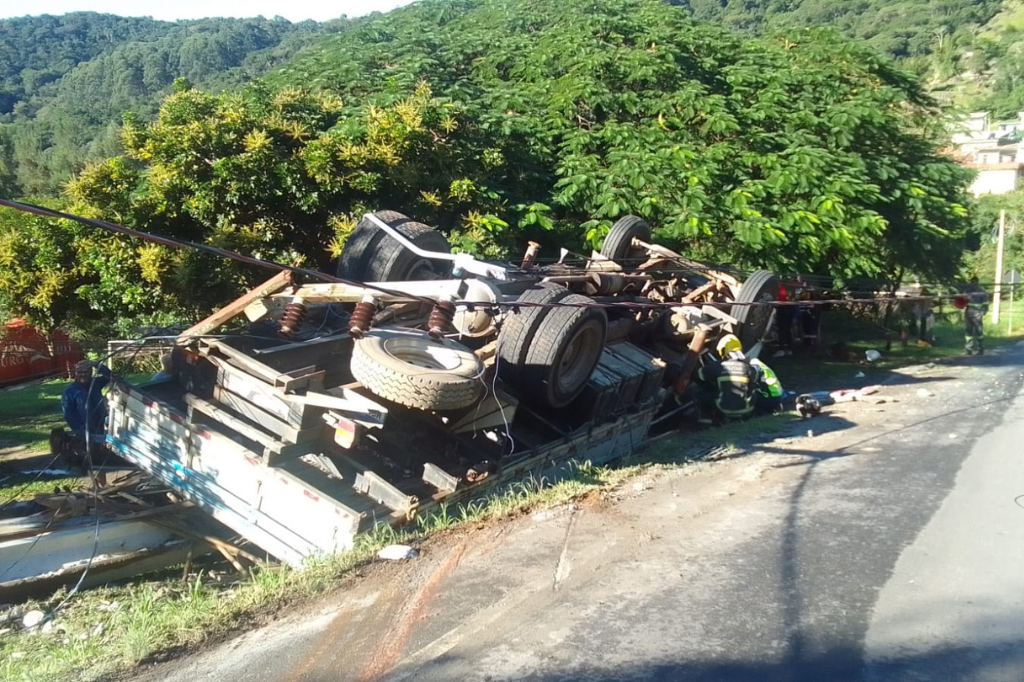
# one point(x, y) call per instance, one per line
point(872, 355)
point(859, 375)
point(808, 406)
point(810, 433)
point(398, 553)
point(98, 630)
point(953, 435)
point(924, 393)
point(32, 619)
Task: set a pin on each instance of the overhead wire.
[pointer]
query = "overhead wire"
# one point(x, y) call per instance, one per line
point(315, 274)
point(172, 242)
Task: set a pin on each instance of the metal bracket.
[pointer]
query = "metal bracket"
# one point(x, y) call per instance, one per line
point(439, 478)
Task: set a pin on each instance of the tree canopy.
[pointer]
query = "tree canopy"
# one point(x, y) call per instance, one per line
point(497, 120)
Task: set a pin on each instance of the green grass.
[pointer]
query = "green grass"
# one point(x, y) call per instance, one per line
point(21, 487)
point(29, 413)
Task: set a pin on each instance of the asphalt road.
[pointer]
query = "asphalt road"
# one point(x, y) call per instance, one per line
point(887, 546)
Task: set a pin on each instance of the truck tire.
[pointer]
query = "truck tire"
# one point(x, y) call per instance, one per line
point(618, 245)
point(392, 262)
point(359, 247)
point(371, 255)
point(518, 329)
point(411, 369)
point(761, 287)
point(564, 351)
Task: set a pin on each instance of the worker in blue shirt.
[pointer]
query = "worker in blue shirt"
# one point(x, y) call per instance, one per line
point(82, 402)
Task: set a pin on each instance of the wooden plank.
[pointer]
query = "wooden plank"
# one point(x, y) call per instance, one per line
point(229, 420)
point(287, 432)
point(244, 361)
point(261, 394)
point(236, 307)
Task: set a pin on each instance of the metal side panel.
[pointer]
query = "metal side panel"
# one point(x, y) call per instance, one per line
point(274, 509)
point(71, 545)
point(599, 445)
point(306, 510)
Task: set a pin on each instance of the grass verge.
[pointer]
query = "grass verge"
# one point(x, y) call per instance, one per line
point(29, 413)
point(105, 631)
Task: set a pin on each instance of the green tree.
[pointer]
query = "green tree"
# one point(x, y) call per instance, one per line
point(502, 121)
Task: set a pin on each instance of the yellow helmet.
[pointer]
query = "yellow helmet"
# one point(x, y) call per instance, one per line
point(729, 344)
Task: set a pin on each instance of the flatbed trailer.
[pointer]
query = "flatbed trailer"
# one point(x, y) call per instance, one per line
point(316, 499)
point(346, 405)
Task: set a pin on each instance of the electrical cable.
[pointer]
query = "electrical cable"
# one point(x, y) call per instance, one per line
point(96, 506)
point(314, 274)
point(205, 248)
point(93, 477)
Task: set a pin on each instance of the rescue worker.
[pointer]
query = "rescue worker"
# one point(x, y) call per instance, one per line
point(166, 368)
point(768, 390)
point(728, 386)
point(974, 316)
point(82, 401)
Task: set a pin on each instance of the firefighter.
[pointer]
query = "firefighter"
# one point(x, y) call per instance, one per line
point(974, 316)
point(727, 385)
point(768, 390)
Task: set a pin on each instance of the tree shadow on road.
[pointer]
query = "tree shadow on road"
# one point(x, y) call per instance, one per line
point(995, 662)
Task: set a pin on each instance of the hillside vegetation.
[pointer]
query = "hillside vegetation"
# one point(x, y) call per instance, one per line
point(66, 81)
point(904, 29)
point(500, 120)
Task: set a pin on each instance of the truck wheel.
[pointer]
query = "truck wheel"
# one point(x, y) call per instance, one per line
point(412, 369)
point(761, 287)
point(518, 329)
point(392, 262)
point(618, 245)
point(355, 256)
point(566, 348)
point(372, 255)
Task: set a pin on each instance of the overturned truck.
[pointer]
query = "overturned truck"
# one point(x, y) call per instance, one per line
point(423, 378)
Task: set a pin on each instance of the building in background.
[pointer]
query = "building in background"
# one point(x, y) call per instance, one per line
point(992, 148)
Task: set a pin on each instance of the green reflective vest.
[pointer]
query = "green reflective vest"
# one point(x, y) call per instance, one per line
point(769, 385)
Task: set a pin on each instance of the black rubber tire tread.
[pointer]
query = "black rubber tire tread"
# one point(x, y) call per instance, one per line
point(411, 385)
point(554, 332)
point(361, 244)
point(518, 329)
point(391, 262)
point(619, 241)
point(753, 289)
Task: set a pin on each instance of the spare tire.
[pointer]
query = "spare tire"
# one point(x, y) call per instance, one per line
point(618, 245)
point(372, 255)
point(564, 351)
point(409, 368)
point(518, 329)
point(762, 287)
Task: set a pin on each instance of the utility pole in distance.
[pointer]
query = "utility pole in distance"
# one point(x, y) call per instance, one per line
point(999, 267)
